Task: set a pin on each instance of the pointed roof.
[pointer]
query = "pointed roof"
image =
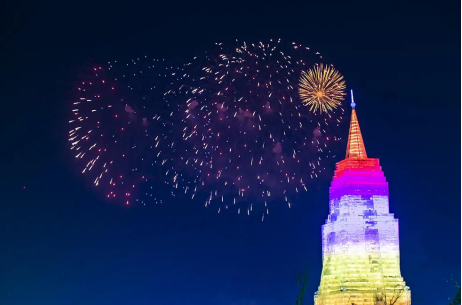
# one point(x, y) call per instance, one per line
point(355, 147)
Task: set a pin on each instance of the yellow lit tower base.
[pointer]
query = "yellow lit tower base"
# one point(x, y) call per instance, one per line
point(360, 239)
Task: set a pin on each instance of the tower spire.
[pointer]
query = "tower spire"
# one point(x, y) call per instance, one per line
point(355, 147)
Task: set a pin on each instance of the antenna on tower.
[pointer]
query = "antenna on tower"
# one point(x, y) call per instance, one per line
point(353, 105)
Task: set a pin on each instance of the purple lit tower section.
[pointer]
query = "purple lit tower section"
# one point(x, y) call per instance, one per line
point(360, 239)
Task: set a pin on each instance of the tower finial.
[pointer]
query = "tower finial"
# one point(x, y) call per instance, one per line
point(353, 105)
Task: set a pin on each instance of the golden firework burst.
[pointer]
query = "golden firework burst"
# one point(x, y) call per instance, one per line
point(322, 87)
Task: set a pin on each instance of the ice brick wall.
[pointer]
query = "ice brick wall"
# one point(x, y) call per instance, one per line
point(360, 239)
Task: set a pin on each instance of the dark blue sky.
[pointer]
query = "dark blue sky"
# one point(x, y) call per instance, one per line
point(62, 244)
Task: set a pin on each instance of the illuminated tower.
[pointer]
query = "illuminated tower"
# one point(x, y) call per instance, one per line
point(360, 239)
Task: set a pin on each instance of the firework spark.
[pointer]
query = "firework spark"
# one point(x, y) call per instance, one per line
point(322, 87)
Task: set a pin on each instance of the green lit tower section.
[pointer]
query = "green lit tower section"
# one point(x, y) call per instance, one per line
point(360, 239)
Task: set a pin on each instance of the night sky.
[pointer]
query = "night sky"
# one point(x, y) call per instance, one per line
point(61, 243)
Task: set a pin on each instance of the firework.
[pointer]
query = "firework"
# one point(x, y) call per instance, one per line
point(322, 87)
point(228, 128)
point(121, 125)
point(247, 140)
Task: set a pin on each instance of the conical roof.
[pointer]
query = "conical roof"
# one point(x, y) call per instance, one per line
point(355, 147)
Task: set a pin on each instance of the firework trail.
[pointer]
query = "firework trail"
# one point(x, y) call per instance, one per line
point(247, 139)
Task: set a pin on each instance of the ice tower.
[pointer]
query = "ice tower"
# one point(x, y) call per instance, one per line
point(360, 239)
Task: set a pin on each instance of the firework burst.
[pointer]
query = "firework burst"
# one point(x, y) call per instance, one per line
point(228, 128)
point(121, 126)
point(247, 139)
point(322, 87)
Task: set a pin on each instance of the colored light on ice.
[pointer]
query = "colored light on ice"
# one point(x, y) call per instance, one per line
point(360, 239)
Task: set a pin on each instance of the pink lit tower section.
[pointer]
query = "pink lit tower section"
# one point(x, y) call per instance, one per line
point(360, 239)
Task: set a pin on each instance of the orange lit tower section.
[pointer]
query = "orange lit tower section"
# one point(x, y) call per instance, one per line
point(360, 239)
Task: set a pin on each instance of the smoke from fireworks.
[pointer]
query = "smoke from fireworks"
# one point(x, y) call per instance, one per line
point(322, 87)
